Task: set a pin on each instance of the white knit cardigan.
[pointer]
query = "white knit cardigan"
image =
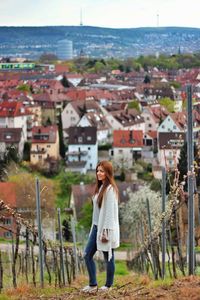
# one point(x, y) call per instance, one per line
point(108, 222)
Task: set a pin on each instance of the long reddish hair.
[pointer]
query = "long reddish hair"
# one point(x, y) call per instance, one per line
point(108, 169)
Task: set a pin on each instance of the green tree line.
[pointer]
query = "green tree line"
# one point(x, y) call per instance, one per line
point(162, 62)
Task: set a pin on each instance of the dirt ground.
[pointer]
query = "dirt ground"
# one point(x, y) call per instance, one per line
point(187, 288)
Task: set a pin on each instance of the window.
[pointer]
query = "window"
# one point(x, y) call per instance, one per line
point(150, 125)
point(174, 127)
point(120, 151)
point(149, 142)
point(170, 154)
point(89, 138)
point(148, 119)
point(163, 126)
point(88, 148)
point(7, 221)
point(80, 139)
point(7, 234)
point(48, 146)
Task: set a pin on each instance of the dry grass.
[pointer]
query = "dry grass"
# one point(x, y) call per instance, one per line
point(127, 287)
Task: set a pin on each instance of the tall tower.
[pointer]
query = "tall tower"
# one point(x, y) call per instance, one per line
point(64, 49)
point(157, 19)
point(81, 18)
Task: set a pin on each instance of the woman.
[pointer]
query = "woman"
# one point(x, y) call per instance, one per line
point(104, 234)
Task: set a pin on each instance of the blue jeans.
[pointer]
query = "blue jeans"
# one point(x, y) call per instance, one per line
point(90, 250)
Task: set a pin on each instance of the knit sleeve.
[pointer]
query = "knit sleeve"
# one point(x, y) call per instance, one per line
point(110, 203)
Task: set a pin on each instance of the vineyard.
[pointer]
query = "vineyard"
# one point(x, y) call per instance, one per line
point(162, 264)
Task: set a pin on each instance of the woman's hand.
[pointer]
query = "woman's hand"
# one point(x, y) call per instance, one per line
point(104, 239)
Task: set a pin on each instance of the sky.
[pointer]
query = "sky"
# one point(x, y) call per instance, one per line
point(101, 13)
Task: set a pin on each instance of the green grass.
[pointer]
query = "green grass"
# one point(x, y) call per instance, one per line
point(125, 246)
point(4, 297)
point(120, 271)
point(166, 282)
point(121, 268)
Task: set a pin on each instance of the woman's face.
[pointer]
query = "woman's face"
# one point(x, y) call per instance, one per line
point(101, 175)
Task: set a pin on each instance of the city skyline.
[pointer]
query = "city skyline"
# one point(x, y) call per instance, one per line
point(100, 13)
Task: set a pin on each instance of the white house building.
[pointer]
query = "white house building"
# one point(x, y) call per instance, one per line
point(127, 147)
point(14, 114)
point(82, 152)
point(96, 119)
point(169, 146)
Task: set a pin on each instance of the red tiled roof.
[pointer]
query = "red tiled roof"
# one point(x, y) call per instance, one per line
point(13, 109)
point(75, 94)
point(42, 97)
point(152, 134)
point(128, 138)
point(8, 193)
point(159, 113)
point(44, 134)
point(59, 68)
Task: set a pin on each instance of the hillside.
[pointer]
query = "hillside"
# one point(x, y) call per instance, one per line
point(128, 287)
point(31, 42)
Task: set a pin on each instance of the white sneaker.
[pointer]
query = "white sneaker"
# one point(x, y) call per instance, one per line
point(104, 288)
point(89, 289)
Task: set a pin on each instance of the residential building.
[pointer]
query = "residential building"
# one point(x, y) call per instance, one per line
point(11, 137)
point(14, 114)
point(153, 116)
point(45, 144)
point(169, 147)
point(126, 119)
point(176, 122)
point(127, 147)
point(97, 119)
point(73, 112)
point(82, 152)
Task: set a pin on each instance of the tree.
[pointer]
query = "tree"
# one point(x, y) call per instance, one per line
point(26, 195)
point(134, 211)
point(48, 121)
point(134, 104)
point(86, 216)
point(48, 58)
point(167, 103)
point(155, 185)
point(10, 155)
point(66, 180)
point(147, 79)
point(24, 88)
point(61, 140)
point(66, 230)
point(26, 152)
point(65, 82)
point(183, 166)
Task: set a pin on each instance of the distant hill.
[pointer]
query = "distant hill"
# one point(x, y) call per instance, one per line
point(31, 42)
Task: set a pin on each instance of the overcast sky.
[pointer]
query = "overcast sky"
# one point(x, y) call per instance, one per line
point(102, 13)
